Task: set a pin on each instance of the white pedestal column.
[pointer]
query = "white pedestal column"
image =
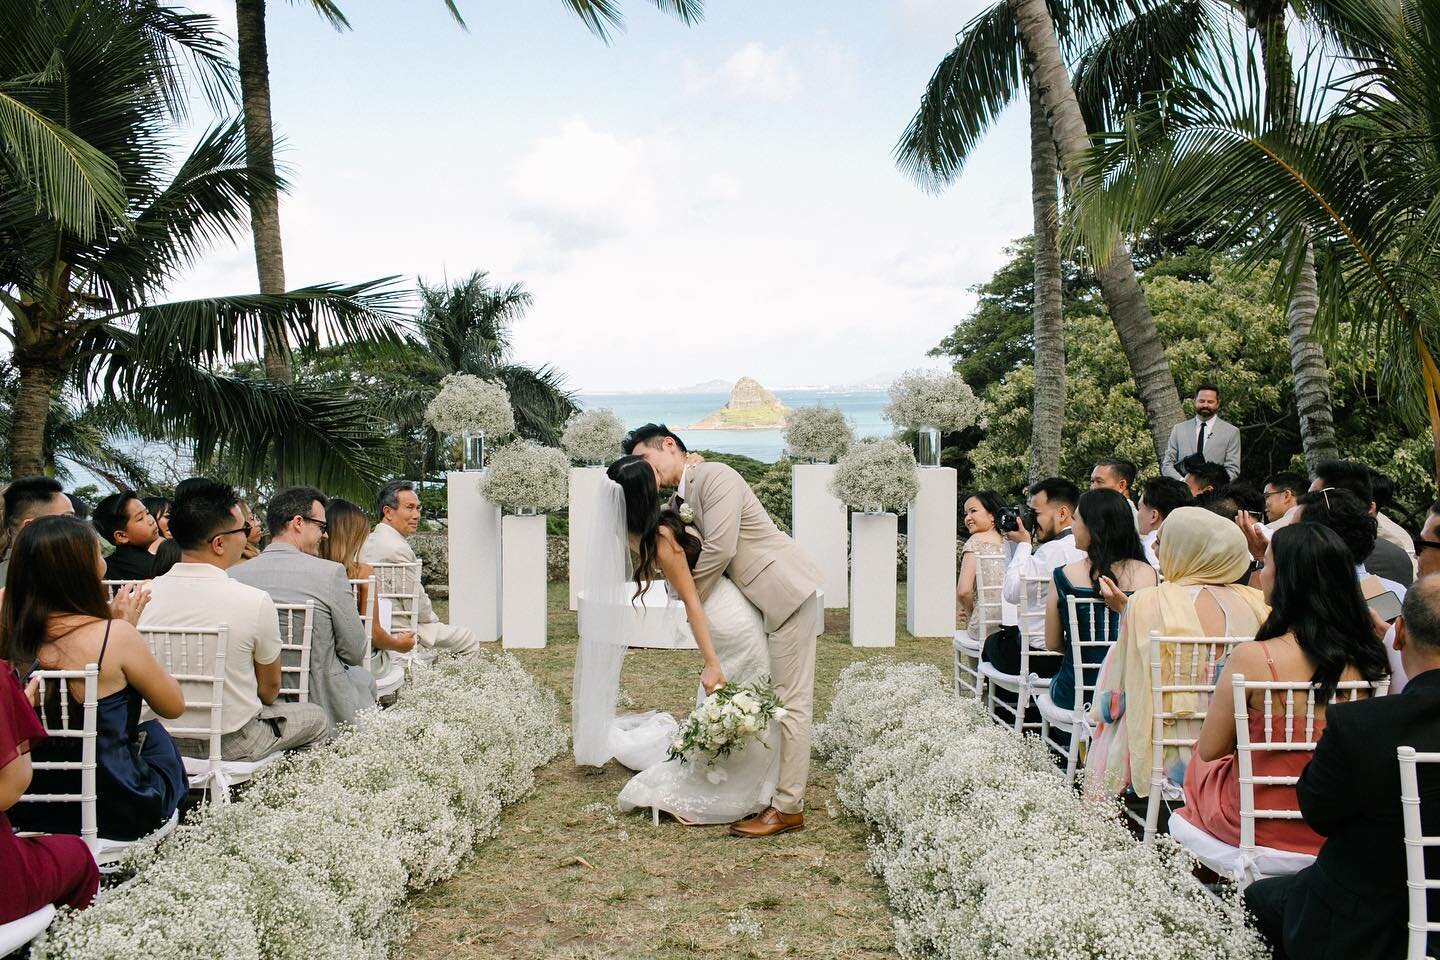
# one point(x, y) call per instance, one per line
point(818, 521)
point(474, 556)
point(584, 481)
point(930, 556)
point(522, 605)
point(872, 579)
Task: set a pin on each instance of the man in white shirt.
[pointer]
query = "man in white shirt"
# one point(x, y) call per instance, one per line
point(1052, 502)
point(1157, 499)
point(1282, 494)
point(1115, 474)
point(399, 508)
point(207, 524)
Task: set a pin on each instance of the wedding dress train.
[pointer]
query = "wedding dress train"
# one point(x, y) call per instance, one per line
point(729, 789)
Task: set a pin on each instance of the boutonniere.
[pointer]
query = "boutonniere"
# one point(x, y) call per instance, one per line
point(686, 513)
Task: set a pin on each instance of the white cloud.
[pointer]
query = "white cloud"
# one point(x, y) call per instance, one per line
point(760, 73)
point(772, 74)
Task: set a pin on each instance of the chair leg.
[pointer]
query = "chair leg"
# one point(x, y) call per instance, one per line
point(1152, 813)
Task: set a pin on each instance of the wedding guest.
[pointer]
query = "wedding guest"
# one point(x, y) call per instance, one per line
point(1204, 435)
point(1352, 902)
point(159, 508)
point(1053, 503)
point(348, 530)
point(1158, 498)
point(256, 534)
point(1202, 475)
point(1282, 494)
point(1383, 490)
point(1343, 512)
point(1386, 559)
point(984, 551)
point(1318, 632)
point(292, 571)
point(123, 520)
point(56, 616)
point(166, 556)
point(1105, 530)
point(1113, 474)
point(1219, 503)
point(1202, 556)
point(399, 509)
point(56, 869)
point(25, 500)
point(206, 522)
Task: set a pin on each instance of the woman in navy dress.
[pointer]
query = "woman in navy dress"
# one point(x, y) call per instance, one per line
point(55, 617)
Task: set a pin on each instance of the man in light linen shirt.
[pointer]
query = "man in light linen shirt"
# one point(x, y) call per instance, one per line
point(1282, 495)
point(206, 522)
point(1053, 502)
point(399, 510)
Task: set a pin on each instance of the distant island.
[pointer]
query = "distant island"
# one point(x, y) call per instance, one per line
point(750, 407)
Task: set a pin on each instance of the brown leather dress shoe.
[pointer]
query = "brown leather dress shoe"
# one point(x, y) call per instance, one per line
point(768, 823)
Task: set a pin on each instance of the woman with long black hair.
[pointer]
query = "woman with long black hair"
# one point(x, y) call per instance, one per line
point(1318, 632)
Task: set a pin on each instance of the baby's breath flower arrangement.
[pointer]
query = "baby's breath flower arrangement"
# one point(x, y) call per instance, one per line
point(468, 404)
point(940, 400)
point(818, 433)
point(593, 436)
point(527, 476)
point(974, 833)
point(876, 476)
point(726, 719)
point(317, 858)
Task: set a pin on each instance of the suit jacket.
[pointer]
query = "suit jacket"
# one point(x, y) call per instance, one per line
point(740, 540)
point(1222, 446)
point(337, 637)
point(1350, 794)
point(130, 563)
point(1390, 562)
point(387, 545)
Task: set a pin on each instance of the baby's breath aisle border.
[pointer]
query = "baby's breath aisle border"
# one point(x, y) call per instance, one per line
point(986, 853)
point(316, 861)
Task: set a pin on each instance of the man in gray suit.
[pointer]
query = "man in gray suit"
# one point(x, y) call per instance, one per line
point(1206, 434)
point(291, 571)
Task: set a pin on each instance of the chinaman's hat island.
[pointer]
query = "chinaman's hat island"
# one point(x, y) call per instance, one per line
point(750, 407)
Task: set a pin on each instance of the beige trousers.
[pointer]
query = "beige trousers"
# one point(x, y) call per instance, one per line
point(449, 638)
point(792, 669)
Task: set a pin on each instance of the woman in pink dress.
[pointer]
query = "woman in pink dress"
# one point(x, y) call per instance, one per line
point(1318, 632)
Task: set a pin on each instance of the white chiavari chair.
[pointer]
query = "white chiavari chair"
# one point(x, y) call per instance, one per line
point(968, 651)
point(1025, 685)
point(297, 621)
point(390, 679)
point(398, 588)
point(1419, 882)
point(1087, 651)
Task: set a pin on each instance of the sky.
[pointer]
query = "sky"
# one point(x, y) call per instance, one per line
point(684, 204)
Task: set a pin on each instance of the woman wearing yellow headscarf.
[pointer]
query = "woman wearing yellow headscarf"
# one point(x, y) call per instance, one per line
point(1203, 557)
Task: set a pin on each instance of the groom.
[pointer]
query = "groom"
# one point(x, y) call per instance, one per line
point(742, 542)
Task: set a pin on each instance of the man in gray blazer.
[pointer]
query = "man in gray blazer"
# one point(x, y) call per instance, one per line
point(291, 571)
point(1206, 434)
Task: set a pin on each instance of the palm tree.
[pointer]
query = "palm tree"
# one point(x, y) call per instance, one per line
point(80, 308)
point(1354, 167)
point(600, 16)
point(968, 91)
point(465, 327)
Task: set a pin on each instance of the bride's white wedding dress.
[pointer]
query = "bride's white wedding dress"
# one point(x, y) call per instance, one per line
point(736, 786)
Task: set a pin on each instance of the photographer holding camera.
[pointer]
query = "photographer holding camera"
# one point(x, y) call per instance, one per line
point(1050, 514)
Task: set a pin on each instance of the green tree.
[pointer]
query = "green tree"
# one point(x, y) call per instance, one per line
point(79, 307)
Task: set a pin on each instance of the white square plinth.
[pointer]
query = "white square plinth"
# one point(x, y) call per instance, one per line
point(474, 536)
point(522, 569)
point(818, 521)
point(872, 579)
point(654, 620)
point(584, 482)
point(930, 556)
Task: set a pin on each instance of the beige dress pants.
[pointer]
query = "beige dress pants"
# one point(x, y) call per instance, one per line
point(449, 638)
point(792, 669)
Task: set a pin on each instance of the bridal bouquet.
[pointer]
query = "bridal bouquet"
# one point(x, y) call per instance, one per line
point(725, 719)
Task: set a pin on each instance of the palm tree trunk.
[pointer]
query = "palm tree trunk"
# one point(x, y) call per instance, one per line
point(260, 153)
point(38, 384)
point(1307, 359)
point(1119, 284)
point(1047, 417)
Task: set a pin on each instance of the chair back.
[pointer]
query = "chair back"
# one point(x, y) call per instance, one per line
point(59, 726)
point(1034, 593)
point(399, 585)
point(195, 657)
point(367, 613)
point(1089, 647)
point(1418, 882)
point(989, 585)
point(112, 587)
point(297, 621)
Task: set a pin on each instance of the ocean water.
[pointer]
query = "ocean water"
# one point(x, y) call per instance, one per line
point(865, 408)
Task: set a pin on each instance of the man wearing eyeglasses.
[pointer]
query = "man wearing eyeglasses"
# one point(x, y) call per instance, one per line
point(292, 571)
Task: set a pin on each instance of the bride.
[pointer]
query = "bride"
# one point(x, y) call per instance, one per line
point(729, 633)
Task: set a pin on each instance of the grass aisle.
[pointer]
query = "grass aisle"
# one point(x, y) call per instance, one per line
point(666, 892)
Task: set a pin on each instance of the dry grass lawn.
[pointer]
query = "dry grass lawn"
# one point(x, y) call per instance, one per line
point(571, 877)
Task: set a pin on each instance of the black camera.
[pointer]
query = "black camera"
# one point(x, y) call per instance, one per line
point(1011, 517)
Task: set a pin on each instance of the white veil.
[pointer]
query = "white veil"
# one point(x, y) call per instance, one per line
point(603, 620)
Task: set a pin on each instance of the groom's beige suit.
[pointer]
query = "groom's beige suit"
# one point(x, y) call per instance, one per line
point(742, 542)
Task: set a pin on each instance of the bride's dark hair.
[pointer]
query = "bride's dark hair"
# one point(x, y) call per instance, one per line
point(644, 518)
